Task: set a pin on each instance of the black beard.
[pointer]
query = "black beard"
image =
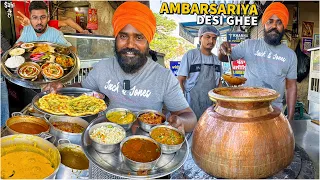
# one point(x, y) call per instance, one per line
point(130, 65)
point(273, 39)
point(39, 30)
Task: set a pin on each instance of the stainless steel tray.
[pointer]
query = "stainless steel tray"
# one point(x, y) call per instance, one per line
point(69, 91)
point(14, 78)
point(113, 163)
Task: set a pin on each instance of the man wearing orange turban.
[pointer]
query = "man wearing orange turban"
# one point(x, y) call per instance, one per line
point(270, 64)
point(136, 14)
point(278, 9)
point(132, 80)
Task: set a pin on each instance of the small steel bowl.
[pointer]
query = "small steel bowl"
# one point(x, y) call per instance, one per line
point(22, 66)
point(105, 148)
point(125, 126)
point(13, 58)
point(25, 46)
point(165, 148)
point(61, 64)
point(146, 126)
point(139, 166)
point(49, 77)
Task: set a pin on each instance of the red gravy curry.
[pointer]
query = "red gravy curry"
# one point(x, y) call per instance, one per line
point(141, 150)
point(28, 128)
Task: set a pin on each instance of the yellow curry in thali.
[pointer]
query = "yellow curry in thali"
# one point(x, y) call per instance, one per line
point(121, 117)
point(167, 136)
point(25, 162)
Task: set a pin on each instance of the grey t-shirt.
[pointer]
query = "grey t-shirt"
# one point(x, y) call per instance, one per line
point(150, 87)
point(267, 66)
point(194, 57)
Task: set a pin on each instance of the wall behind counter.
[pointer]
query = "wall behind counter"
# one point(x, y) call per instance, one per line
point(105, 14)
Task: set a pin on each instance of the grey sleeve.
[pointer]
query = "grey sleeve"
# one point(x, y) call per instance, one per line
point(184, 65)
point(173, 96)
point(239, 51)
point(91, 81)
point(292, 72)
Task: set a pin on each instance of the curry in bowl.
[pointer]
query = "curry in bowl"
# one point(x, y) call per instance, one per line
point(65, 61)
point(28, 128)
point(141, 150)
point(168, 136)
point(25, 164)
point(27, 125)
point(28, 157)
point(121, 117)
point(151, 118)
point(29, 70)
point(68, 127)
point(52, 71)
point(73, 158)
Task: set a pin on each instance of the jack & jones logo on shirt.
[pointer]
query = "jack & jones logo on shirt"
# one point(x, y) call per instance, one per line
point(134, 91)
point(269, 55)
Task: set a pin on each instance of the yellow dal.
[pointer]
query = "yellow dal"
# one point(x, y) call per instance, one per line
point(25, 164)
point(121, 117)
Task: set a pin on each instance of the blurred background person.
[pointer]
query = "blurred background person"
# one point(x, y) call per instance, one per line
point(25, 21)
point(200, 71)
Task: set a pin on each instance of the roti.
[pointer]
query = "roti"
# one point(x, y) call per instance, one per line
point(85, 105)
point(54, 103)
point(73, 106)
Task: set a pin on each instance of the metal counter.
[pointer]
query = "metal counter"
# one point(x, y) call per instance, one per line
point(304, 166)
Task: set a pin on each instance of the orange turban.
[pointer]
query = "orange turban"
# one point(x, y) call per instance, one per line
point(136, 14)
point(277, 9)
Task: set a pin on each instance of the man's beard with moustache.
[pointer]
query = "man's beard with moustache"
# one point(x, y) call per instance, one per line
point(130, 64)
point(273, 39)
point(39, 30)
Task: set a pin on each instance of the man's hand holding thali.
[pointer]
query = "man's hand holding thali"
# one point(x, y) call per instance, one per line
point(52, 87)
point(175, 121)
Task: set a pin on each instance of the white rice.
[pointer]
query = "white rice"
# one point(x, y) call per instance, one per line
point(14, 61)
point(108, 134)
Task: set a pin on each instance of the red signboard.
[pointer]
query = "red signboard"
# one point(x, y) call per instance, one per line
point(239, 65)
point(92, 19)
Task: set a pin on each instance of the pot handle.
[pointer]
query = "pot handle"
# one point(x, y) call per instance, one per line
point(63, 141)
point(46, 117)
point(16, 114)
point(47, 136)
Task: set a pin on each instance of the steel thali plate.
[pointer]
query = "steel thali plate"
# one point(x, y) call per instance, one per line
point(68, 91)
point(113, 163)
point(14, 78)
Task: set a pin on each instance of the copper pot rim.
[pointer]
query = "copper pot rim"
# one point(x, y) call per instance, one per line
point(270, 95)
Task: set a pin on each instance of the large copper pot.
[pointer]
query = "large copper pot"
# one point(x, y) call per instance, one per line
point(243, 136)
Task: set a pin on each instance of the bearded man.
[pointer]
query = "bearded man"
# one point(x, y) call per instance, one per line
point(270, 64)
point(132, 80)
point(38, 30)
